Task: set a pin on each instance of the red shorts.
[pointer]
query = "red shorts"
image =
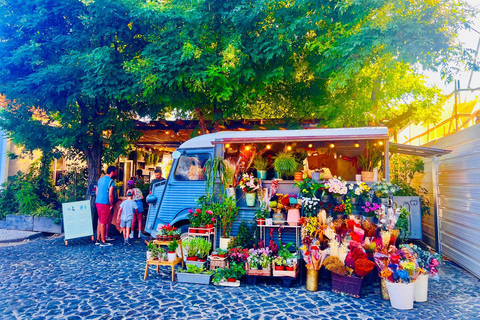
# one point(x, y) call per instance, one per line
point(137, 217)
point(103, 211)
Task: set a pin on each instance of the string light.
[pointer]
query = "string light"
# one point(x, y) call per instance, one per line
point(380, 143)
point(289, 148)
point(310, 145)
point(269, 147)
point(356, 145)
point(247, 148)
point(332, 146)
point(227, 145)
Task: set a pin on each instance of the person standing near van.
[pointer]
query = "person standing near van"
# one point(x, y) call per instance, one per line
point(158, 178)
point(104, 203)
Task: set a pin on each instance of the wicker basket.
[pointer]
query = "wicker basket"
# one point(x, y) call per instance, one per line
point(216, 263)
point(351, 286)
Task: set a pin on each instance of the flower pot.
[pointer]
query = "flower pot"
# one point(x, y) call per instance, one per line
point(293, 217)
point(312, 280)
point(171, 256)
point(214, 255)
point(289, 268)
point(193, 278)
point(224, 243)
point(231, 193)
point(261, 222)
point(250, 199)
point(278, 175)
point(338, 199)
point(222, 255)
point(401, 295)
point(192, 258)
point(298, 176)
point(367, 176)
point(278, 218)
point(316, 176)
point(421, 288)
point(279, 268)
point(202, 259)
point(149, 255)
point(262, 174)
point(231, 280)
point(354, 200)
point(325, 198)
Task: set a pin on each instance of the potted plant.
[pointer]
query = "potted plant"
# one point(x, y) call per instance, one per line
point(261, 214)
point(151, 247)
point(222, 253)
point(203, 246)
point(336, 187)
point(215, 254)
point(230, 178)
point(229, 276)
point(383, 190)
point(194, 274)
point(259, 262)
point(227, 212)
point(285, 164)
point(369, 160)
point(260, 164)
point(279, 263)
point(190, 246)
point(299, 158)
point(172, 247)
point(249, 186)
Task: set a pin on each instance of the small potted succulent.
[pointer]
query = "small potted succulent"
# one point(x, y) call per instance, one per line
point(172, 247)
point(279, 263)
point(222, 253)
point(261, 214)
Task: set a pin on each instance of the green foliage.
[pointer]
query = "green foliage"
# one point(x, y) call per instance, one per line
point(72, 184)
point(308, 187)
point(227, 212)
point(204, 246)
point(402, 224)
point(191, 245)
point(172, 246)
point(236, 271)
point(370, 158)
point(260, 163)
point(262, 212)
point(285, 164)
point(191, 268)
point(245, 237)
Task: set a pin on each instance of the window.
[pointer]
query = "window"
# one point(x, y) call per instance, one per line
point(190, 167)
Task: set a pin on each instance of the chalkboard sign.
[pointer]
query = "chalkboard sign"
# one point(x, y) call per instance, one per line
point(77, 220)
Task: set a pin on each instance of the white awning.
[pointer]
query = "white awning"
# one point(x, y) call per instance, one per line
point(417, 151)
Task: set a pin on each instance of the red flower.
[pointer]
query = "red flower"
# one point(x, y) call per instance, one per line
point(198, 210)
point(194, 214)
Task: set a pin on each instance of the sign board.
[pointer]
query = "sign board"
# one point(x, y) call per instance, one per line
point(77, 219)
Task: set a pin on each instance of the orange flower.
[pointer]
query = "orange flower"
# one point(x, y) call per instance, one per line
point(385, 273)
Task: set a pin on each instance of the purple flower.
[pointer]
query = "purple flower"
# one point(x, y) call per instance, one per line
point(367, 204)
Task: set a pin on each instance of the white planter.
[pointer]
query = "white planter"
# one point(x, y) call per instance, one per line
point(421, 288)
point(149, 255)
point(401, 295)
point(250, 199)
point(172, 256)
point(316, 176)
point(224, 243)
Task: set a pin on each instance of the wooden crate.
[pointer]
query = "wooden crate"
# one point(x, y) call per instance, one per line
point(263, 272)
point(285, 273)
point(216, 262)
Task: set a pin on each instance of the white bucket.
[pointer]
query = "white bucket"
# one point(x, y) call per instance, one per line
point(231, 193)
point(401, 295)
point(421, 288)
point(224, 243)
point(172, 256)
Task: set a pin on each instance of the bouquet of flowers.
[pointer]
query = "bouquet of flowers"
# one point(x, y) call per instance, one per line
point(249, 183)
point(310, 206)
point(387, 220)
point(238, 254)
point(313, 256)
point(337, 187)
point(371, 209)
point(428, 262)
point(397, 265)
point(383, 189)
point(261, 257)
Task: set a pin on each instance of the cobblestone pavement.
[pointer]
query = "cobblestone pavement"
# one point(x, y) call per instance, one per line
point(44, 279)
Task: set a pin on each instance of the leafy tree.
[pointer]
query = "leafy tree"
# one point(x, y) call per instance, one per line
point(62, 68)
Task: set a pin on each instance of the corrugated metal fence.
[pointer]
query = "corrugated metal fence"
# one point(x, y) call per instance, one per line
point(458, 198)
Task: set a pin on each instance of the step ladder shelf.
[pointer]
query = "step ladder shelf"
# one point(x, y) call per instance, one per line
point(172, 264)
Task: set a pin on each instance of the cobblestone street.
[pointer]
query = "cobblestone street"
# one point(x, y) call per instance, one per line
point(45, 279)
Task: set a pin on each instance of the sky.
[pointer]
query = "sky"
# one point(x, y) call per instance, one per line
point(470, 38)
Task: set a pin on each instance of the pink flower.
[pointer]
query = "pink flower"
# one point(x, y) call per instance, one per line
point(367, 204)
point(213, 219)
point(190, 211)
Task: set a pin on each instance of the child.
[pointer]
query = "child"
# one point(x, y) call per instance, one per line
point(127, 209)
point(137, 217)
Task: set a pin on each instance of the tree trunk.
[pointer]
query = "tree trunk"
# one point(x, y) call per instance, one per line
point(201, 119)
point(94, 161)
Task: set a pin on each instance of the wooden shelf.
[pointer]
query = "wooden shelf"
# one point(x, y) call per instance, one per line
point(171, 264)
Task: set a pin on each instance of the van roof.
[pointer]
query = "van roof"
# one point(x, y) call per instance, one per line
point(263, 136)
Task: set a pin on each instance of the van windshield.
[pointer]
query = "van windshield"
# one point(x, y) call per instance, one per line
point(190, 167)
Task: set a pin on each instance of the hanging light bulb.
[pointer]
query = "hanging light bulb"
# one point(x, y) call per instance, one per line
point(247, 148)
point(269, 147)
point(289, 148)
point(356, 145)
point(227, 145)
point(332, 145)
point(380, 143)
point(310, 145)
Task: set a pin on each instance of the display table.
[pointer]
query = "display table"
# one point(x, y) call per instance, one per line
point(159, 263)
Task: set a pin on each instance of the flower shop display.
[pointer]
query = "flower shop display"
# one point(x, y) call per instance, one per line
point(168, 232)
point(260, 164)
point(369, 160)
point(285, 164)
point(172, 247)
point(383, 190)
point(194, 274)
point(337, 188)
point(259, 262)
point(249, 185)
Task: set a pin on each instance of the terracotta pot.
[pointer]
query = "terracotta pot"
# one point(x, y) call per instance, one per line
point(194, 258)
point(289, 268)
point(298, 176)
point(202, 260)
point(202, 230)
point(231, 280)
point(279, 268)
point(222, 255)
point(261, 222)
point(367, 176)
point(214, 255)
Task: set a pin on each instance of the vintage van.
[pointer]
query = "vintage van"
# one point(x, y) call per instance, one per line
point(172, 198)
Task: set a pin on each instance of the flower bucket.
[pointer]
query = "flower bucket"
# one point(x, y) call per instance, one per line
point(224, 243)
point(367, 176)
point(421, 288)
point(231, 193)
point(250, 199)
point(401, 295)
point(262, 174)
point(149, 255)
point(293, 217)
point(316, 176)
point(312, 280)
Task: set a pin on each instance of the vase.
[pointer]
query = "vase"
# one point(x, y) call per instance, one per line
point(293, 217)
point(250, 199)
point(421, 288)
point(149, 255)
point(231, 193)
point(262, 174)
point(316, 176)
point(278, 175)
point(326, 198)
point(354, 200)
point(338, 199)
point(172, 256)
point(367, 176)
point(383, 289)
point(224, 243)
point(401, 295)
point(278, 218)
point(312, 280)
point(386, 202)
point(298, 176)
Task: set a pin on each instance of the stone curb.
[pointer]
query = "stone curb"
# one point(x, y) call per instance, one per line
point(31, 237)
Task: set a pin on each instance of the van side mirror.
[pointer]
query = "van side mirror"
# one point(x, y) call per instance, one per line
point(176, 154)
